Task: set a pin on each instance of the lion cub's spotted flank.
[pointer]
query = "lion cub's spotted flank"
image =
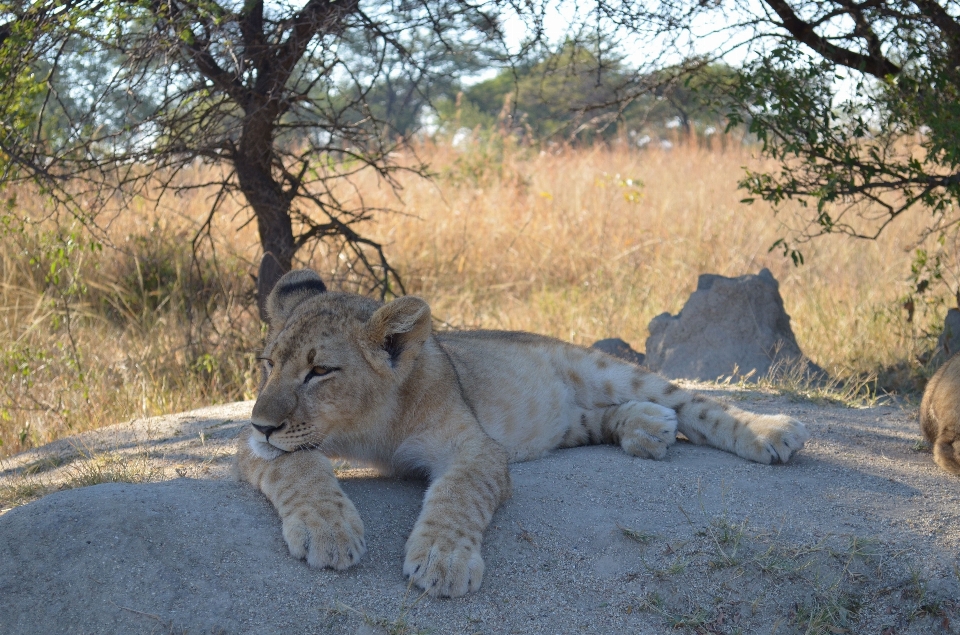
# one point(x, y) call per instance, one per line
point(350, 377)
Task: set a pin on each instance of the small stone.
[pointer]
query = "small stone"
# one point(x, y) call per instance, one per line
point(618, 348)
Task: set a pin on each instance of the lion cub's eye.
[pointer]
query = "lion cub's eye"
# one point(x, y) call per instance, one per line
point(318, 371)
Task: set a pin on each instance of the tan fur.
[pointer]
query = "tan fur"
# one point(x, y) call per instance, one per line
point(346, 376)
point(940, 415)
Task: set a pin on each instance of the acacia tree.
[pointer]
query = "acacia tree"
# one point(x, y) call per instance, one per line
point(855, 156)
point(105, 97)
point(858, 100)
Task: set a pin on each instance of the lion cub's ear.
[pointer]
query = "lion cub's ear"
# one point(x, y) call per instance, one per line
point(290, 290)
point(270, 272)
point(400, 328)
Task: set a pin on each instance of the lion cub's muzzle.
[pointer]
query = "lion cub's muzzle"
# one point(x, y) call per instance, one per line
point(261, 446)
point(266, 431)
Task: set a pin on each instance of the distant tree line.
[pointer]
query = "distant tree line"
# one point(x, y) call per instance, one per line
point(574, 94)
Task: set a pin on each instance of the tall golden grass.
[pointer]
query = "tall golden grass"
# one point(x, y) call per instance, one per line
point(581, 244)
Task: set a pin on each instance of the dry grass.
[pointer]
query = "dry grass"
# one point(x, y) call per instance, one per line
point(82, 468)
point(579, 244)
point(90, 338)
point(568, 244)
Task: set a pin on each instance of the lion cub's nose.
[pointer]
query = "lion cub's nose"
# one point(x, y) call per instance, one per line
point(267, 430)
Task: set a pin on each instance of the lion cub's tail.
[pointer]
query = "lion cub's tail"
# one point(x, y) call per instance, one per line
point(947, 455)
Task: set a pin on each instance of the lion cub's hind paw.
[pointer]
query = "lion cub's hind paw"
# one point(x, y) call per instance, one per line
point(651, 429)
point(777, 438)
point(337, 543)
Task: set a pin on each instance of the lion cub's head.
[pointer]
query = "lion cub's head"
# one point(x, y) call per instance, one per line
point(332, 365)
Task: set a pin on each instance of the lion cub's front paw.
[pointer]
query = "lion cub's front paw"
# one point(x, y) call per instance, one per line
point(443, 567)
point(331, 540)
point(775, 438)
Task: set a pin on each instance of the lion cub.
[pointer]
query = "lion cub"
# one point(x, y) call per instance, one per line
point(346, 376)
point(940, 415)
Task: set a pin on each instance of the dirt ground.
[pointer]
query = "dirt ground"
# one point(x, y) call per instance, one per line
point(860, 533)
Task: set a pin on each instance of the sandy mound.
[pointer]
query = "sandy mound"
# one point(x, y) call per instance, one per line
point(861, 533)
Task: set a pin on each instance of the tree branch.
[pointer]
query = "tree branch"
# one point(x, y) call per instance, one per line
point(873, 64)
point(318, 17)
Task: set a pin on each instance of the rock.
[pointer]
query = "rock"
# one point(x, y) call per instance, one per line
point(587, 535)
point(949, 341)
point(206, 557)
point(618, 348)
point(729, 326)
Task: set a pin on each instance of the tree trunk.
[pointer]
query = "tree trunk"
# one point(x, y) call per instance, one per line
point(272, 210)
point(271, 205)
